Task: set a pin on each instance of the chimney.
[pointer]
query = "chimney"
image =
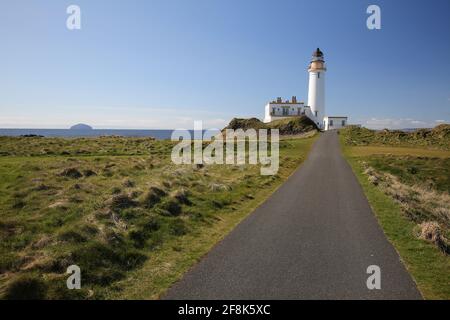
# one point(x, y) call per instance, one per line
point(294, 99)
point(279, 100)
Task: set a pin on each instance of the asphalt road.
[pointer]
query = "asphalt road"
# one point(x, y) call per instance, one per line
point(312, 239)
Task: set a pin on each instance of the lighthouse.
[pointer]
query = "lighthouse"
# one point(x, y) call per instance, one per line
point(315, 109)
point(316, 90)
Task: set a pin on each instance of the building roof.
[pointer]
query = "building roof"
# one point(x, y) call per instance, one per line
point(289, 102)
point(317, 53)
point(335, 117)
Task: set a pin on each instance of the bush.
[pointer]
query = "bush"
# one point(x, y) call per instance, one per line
point(26, 288)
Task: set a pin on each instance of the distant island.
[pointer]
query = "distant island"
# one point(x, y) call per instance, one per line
point(81, 126)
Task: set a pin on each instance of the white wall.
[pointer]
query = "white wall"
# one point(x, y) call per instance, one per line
point(334, 123)
point(278, 110)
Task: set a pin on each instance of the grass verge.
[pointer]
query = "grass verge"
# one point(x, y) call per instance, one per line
point(428, 266)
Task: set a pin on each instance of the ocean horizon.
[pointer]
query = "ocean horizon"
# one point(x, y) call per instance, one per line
point(159, 134)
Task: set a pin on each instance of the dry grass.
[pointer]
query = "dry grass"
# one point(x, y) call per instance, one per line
point(431, 231)
point(425, 206)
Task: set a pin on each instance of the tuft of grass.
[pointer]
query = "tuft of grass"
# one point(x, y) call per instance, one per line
point(178, 227)
point(89, 173)
point(71, 236)
point(153, 196)
point(103, 265)
point(71, 173)
point(122, 201)
point(182, 196)
point(26, 288)
point(170, 207)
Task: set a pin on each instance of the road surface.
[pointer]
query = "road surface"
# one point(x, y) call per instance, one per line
point(314, 238)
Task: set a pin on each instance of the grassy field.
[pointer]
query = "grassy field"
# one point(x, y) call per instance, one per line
point(408, 188)
point(118, 208)
point(437, 138)
point(363, 151)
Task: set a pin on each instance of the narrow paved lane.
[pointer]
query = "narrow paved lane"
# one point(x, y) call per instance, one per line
point(312, 239)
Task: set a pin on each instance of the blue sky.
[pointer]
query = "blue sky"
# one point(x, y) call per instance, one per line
point(163, 64)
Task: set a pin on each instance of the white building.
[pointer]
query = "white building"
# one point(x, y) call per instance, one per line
point(330, 123)
point(315, 109)
point(279, 109)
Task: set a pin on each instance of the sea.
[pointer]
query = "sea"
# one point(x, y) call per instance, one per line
point(70, 133)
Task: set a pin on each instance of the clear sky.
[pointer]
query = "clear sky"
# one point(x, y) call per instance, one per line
point(164, 63)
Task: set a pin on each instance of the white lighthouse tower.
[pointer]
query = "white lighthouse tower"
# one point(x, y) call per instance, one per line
point(316, 91)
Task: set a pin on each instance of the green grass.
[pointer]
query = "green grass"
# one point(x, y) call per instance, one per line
point(398, 151)
point(287, 126)
point(426, 263)
point(133, 221)
point(412, 170)
point(437, 138)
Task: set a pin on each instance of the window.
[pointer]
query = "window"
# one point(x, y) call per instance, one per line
point(315, 113)
point(285, 111)
point(331, 123)
point(343, 123)
point(318, 75)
